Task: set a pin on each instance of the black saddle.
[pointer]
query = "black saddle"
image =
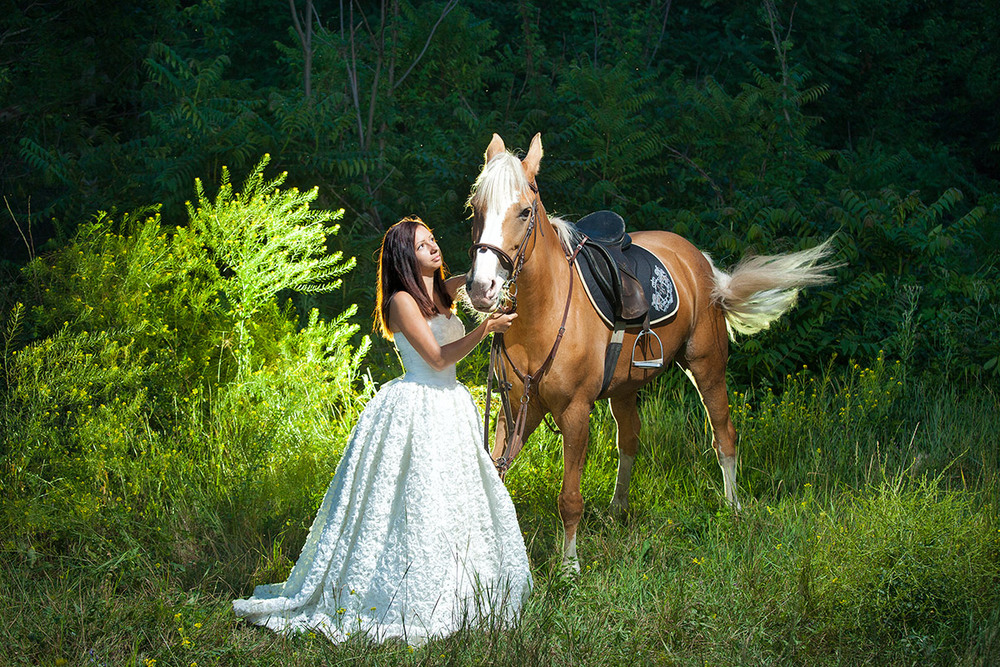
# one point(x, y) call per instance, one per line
point(605, 228)
point(627, 285)
point(623, 280)
point(610, 270)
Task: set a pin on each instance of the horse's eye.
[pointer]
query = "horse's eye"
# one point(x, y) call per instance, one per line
point(525, 212)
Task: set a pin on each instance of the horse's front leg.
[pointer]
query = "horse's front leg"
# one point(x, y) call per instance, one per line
point(574, 422)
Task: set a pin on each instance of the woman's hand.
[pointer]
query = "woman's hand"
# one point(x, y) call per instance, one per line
point(498, 322)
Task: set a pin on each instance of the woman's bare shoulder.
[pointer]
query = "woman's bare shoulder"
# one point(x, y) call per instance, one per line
point(402, 306)
point(401, 298)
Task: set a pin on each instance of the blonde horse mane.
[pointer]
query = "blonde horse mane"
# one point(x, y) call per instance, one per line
point(567, 233)
point(500, 181)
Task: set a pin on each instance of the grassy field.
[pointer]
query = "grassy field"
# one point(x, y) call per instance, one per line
point(870, 534)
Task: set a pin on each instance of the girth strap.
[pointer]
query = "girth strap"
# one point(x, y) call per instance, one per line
point(612, 353)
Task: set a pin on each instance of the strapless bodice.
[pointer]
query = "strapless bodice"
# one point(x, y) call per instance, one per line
point(446, 330)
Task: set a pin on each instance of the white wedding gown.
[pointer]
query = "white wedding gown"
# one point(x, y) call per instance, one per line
point(416, 536)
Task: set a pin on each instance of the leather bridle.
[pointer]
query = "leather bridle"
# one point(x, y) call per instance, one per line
point(516, 425)
point(513, 266)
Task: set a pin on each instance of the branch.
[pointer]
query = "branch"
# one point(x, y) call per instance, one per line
point(305, 39)
point(691, 163)
point(378, 73)
point(295, 21)
point(29, 242)
point(352, 77)
point(659, 40)
point(772, 20)
point(444, 13)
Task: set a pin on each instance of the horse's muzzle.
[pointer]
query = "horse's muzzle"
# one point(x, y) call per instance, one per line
point(483, 294)
point(484, 301)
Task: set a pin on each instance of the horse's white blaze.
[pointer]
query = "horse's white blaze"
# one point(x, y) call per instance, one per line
point(495, 192)
point(620, 499)
point(485, 274)
point(493, 226)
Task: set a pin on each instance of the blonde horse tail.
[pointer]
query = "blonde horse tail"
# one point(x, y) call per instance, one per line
point(762, 288)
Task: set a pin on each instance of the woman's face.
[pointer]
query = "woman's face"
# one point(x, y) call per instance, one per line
point(426, 249)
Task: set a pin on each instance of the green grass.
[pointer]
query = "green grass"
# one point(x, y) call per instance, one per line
point(870, 534)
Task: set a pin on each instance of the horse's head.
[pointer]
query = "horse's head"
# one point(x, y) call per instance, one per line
point(505, 207)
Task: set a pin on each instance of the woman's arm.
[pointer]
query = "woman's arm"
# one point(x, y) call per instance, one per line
point(453, 283)
point(405, 317)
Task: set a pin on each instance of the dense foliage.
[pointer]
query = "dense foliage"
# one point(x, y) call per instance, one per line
point(749, 125)
point(158, 361)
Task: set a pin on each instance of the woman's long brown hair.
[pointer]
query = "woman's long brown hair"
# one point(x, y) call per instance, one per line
point(398, 272)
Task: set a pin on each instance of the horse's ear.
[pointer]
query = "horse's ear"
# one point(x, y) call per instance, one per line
point(496, 146)
point(533, 158)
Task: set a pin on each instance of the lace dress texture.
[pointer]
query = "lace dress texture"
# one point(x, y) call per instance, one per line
point(416, 536)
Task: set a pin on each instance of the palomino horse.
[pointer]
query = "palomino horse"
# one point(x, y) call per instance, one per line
point(513, 237)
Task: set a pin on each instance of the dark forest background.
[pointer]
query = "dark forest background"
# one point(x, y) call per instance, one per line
point(763, 126)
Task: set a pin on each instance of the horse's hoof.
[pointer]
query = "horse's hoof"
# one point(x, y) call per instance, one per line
point(570, 567)
point(619, 513)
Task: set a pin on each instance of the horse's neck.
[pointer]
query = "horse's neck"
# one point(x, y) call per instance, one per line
point(543, 276)
point(542, 291)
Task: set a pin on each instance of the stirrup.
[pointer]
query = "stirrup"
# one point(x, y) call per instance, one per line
point(648, 363)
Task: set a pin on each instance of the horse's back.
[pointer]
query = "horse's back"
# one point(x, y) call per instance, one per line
point(682, 258)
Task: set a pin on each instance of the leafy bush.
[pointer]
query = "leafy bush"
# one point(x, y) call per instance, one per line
point(157, 377)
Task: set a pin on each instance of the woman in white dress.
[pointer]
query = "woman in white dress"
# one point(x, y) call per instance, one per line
point(416, 536)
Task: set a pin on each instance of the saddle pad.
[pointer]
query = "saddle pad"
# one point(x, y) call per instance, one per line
point(654, 277)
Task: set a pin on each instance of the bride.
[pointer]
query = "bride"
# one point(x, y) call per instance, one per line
point(416, 536)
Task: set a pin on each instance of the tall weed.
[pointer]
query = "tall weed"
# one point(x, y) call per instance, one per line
point(907, 561)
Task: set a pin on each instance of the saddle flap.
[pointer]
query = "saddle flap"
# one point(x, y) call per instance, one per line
point(618, 283)
point(604, 271)
point(634, 301)
point(629, 286)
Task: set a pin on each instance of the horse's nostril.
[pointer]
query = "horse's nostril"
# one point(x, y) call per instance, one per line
point(482, 251)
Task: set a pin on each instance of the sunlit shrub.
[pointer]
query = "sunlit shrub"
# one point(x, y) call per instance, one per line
point(74, 412)
point(155, 376)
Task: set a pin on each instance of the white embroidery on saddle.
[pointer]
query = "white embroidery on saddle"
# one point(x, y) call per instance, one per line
point(663, 296)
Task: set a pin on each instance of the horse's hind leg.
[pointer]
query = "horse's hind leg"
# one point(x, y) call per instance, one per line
point(626, 414)
point(708, 373)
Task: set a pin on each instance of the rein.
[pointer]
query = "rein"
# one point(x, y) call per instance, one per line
point(515, 426)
